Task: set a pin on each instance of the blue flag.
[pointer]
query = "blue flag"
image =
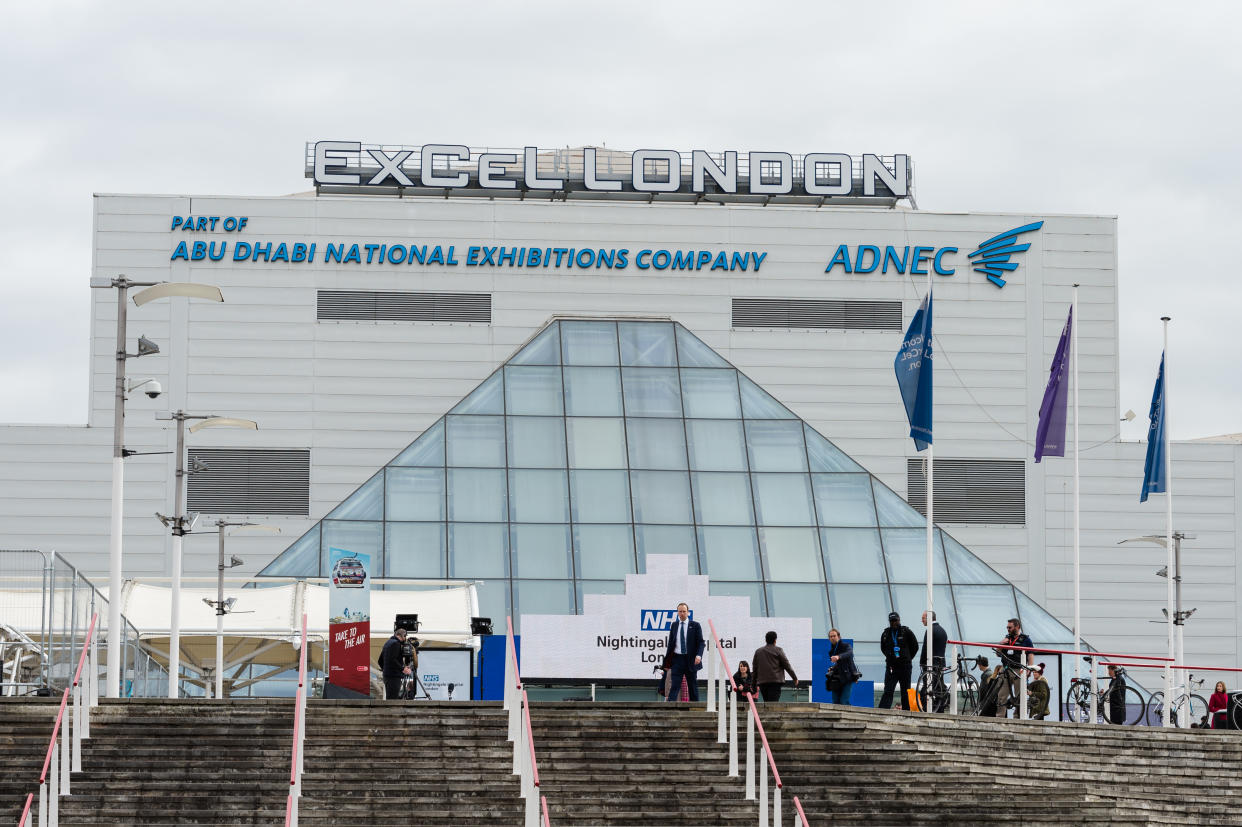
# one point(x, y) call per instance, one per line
point(1155, 479)
point(1050, 435)
point(913, 367)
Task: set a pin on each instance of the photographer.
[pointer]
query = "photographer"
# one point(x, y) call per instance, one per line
point(397, 658)
point(1011, 665)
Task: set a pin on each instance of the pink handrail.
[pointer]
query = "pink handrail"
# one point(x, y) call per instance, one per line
point(1055, 651)
point(530, 738)
point(21, 822)
point(798, 807)
point(776, 776)
point(543, 799)
point(64, 699)
point(297, 725)
point(1171, 666)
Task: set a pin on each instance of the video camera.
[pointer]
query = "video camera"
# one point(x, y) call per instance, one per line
point(410, 645)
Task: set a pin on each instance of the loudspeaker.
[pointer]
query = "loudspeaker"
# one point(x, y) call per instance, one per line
point(407, 622)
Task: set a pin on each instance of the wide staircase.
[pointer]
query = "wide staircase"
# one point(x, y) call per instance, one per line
point(635, 763)
point(203, 762)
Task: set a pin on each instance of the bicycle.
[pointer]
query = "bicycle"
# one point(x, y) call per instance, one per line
point(967, 688)
point(1127, 710)
point(1195, 705)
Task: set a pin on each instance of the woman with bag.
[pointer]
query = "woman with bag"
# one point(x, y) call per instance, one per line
point(842, 675)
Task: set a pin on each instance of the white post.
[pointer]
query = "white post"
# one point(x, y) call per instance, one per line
point(94, 656)
point(763, 788)
point(43, 804)
point(732, 735)
point(66, 750)
point(53, 793)
point(930, 651)
point(1168, 527)
point(79, 708)
point(750, 756)
point(115, 631)
point(1077, 524)
point(721, 736)
point(952, 682)
point(1022, 699)
point(711, 677)
point(1095, 688)
point(776, 807)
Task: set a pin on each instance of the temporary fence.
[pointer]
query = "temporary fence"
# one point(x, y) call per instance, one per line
point(524, 763)
point(297, 759)
point(720, 678)
point(72, 725)
point(45, 607)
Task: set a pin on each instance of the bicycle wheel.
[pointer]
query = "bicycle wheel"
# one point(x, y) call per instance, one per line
point(967, 696)
point(920, 691)
point(1126, 711)
point(1155, 706)
point(1197, 712)
point(1078, 703)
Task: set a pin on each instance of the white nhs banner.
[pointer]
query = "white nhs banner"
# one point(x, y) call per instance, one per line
point(623, 637)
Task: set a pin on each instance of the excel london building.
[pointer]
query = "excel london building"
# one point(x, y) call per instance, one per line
point(533, 368)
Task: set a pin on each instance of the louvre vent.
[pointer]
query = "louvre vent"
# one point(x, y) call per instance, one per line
point(830, 314)
point(250, 481)
point(971, 490)
point(397, 306)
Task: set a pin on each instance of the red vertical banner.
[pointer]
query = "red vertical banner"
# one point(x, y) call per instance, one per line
point(349, 621)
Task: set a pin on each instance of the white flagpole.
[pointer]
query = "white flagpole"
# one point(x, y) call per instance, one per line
point(1168, 527)
point(929, 641)
point(1076, 321)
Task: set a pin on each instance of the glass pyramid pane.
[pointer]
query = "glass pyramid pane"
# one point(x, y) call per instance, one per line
point(759, 404)
point(367, 503)
point(893, 510)
point(1041, 625)
point(426, 451)
point(911, 602)
point(589, 343)
point(983, 611)
point(905, 550)
point(825, 456)
point(544, 349)
point(648, 344)
point(965, 567)
point(299, 560)
point(487, 398)
point(692, 353)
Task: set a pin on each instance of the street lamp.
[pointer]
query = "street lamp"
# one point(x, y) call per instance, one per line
point(1179, 617)
point(146, 347)
point(180, 524)
point(221, 605)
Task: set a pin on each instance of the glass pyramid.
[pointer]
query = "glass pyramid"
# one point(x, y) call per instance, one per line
point(601, 442)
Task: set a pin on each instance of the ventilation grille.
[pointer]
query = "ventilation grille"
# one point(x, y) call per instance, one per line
point(250, 481)
point(971, 490)
point(395, 306)
point(831, 314)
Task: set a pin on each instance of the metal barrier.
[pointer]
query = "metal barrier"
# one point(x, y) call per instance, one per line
point(66, 757)
point(297, 761)
point(524, 764)
point(716, 686)
point(46, 604)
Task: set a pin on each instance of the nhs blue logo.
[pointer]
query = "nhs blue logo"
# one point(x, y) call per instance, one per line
point(658, 620)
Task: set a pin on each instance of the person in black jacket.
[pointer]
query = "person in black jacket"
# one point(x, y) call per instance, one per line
point(392, 662)
point(899, 646)
point(940, 639)
point(744, 678)
point(841, 674)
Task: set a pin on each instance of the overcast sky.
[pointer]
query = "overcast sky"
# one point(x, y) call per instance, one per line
point(1113, 108)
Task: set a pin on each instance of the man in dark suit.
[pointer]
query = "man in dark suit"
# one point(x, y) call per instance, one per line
point(685, 652)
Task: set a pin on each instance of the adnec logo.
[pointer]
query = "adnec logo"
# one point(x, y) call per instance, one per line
point(991, 258)
point(658, 620)
point(993, 254)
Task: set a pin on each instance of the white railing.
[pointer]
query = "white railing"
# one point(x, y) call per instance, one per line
point(297, 760)
point(72, 725)
point(719, 680)
point(524, 764)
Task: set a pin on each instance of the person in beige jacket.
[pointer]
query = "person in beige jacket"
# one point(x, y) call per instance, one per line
point(770, 667)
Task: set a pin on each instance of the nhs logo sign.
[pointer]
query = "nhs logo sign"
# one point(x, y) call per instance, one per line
point(658, 620)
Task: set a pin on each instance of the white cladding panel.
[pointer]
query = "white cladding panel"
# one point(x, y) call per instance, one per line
point(356, 393)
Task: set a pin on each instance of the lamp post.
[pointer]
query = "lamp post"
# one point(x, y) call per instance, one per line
point(155, 290)
point(180, 525)
point(1179, 616)
point(221, 605)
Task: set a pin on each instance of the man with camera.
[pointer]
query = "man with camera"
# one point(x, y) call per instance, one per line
point(1010, 668)
point(396, 659)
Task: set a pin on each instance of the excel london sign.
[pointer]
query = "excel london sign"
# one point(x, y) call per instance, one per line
point(598, 172)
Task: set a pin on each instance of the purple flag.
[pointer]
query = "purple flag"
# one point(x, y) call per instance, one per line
point(1050, 435)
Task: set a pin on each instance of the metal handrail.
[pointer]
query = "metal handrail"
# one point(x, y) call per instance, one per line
point(798, 807)
point(525, 764)
point(530, 739)
point(763, 739)
point(1002, 645)
point(21, 822)
point(299, 734)
point(543, 800)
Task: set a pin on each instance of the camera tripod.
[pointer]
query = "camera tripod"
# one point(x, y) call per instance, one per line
point(410, 687)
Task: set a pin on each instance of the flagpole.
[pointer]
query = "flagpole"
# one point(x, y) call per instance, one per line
point(1077, 320)
point(1168, 526)
point(930, 641)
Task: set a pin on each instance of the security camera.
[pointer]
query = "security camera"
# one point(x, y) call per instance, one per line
point(153, 389)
